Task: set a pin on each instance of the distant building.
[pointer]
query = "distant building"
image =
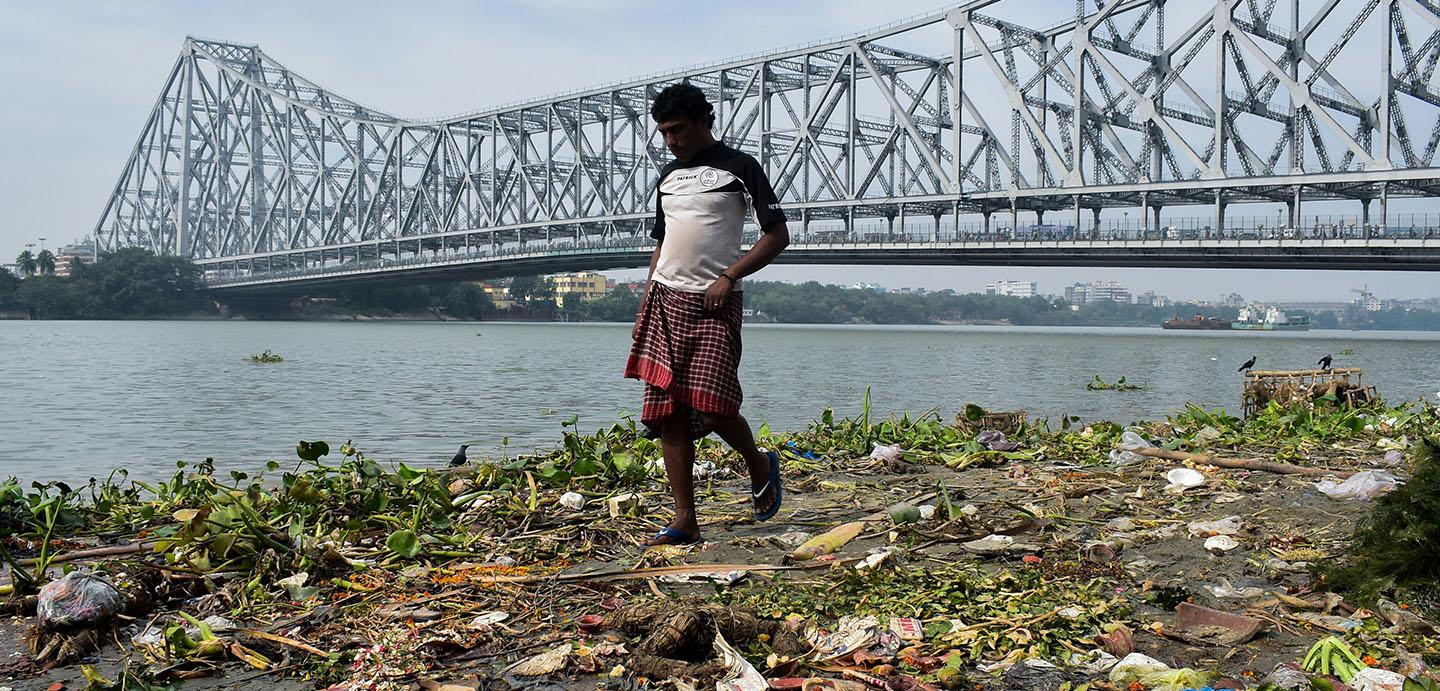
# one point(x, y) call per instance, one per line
point(1097, 291)
point(1017, 289)
point(81, 252)
point(499, 294)
point(1150, 298)
point(1314, 306)
point(572, 289)
point(868, 286)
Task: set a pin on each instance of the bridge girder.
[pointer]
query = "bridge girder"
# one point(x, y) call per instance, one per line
point(967, 110)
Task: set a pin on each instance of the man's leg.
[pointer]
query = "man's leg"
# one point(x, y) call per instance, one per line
point(736, 432)
point(679, 451)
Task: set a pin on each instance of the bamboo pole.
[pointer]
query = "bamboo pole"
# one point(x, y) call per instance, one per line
point(1241, 463)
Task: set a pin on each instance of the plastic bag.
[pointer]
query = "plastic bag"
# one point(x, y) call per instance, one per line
point(1366, 484)
point(1175, 680)
point(1372, 679)
point(78, 599)
point(886, 453)
point(1206, 435)
point(1124, 453)
point(1132, 667)
point(995, 440)
point(1229, 525)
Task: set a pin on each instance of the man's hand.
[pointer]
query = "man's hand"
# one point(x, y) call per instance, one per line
point(718, 293)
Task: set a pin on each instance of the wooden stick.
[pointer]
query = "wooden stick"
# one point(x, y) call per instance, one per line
point(684, 569)
point(111, 551)
point(282, 640)
point(1241, 463)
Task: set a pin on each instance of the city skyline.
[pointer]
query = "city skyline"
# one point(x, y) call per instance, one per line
point(1185, 285)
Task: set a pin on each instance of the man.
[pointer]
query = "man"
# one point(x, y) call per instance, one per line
point(687, 333)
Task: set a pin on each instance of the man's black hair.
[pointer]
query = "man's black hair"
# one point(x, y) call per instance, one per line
point(682, 100)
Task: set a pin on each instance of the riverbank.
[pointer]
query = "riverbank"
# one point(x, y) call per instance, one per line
point(336, 569)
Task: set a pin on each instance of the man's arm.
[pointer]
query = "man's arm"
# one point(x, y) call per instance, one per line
point(771, 243)
point(645, 292)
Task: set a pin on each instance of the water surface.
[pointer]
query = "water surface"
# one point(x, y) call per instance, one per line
point(85, 397)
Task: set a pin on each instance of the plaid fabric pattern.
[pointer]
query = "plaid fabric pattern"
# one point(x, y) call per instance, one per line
point(688, 357)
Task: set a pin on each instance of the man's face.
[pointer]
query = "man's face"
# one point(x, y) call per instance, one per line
point(684, 136)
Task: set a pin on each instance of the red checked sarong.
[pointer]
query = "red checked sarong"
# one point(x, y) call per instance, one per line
point(688, 358)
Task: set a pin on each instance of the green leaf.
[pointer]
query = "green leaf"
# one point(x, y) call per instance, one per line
point(403, 543)
point(585, 466)
point(222, 544)
point(973, 412)
point(622, 461)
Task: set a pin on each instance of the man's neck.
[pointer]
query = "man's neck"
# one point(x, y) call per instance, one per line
point(703, 148)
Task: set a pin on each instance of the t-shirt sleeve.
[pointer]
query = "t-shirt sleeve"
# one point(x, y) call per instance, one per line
point(658, 232)
point(762, 195)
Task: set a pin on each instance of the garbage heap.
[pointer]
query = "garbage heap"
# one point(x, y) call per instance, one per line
point(909, 554)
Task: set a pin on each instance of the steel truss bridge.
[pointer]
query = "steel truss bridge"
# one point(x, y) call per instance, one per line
point(933, 140)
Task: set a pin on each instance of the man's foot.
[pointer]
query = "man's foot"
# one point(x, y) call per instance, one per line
point(674, 536)
point(767, 494)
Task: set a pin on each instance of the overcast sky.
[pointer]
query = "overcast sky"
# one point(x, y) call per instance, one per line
point(79, 78)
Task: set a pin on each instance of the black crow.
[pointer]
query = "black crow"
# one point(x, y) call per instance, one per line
point(1248, 364)
point(1324, 362)
point(459, 458)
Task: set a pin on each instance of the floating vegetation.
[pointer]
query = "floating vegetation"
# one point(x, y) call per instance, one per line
point(265, 358)
point(1098, 384)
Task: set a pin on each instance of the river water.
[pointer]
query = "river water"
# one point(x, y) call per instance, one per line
point(82, 398)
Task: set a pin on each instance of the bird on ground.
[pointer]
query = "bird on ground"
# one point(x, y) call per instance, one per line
point(459, 458)
point(1324, 362)
point(1248, 364)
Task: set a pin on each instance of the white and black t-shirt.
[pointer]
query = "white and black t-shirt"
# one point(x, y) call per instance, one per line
point(700, 210)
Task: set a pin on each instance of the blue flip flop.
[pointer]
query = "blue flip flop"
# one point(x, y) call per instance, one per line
point(679, 536)
point(774, 480)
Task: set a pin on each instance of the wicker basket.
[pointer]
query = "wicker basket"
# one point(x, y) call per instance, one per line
point(1007, 422)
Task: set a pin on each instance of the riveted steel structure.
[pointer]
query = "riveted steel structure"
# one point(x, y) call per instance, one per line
point(978, 112)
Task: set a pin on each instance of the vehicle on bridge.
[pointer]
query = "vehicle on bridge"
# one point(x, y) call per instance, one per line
point(1043, 232)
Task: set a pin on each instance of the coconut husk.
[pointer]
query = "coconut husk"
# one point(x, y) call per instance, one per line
point(678, 635)
point(53, 648)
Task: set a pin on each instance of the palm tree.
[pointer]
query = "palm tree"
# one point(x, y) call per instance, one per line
point(77, 268)
point(25, 264)
point(45, 261)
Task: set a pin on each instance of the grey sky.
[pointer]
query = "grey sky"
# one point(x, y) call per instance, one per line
point(78, 79)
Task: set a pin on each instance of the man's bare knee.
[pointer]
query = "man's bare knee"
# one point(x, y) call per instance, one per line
point(675, 427)
point(714, 421)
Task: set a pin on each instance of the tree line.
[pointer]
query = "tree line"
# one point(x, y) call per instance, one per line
point(135, 282)
point(124, 284)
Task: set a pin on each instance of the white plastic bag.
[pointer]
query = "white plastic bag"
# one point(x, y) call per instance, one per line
point(1229, 525)
point(886, 453)
point(1366, 484)
point(572, 500)
point(1124, 452)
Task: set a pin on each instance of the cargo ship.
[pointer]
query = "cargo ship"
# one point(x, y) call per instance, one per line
point(1197, 323)
point(1257, 318)
point(1251, 319)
